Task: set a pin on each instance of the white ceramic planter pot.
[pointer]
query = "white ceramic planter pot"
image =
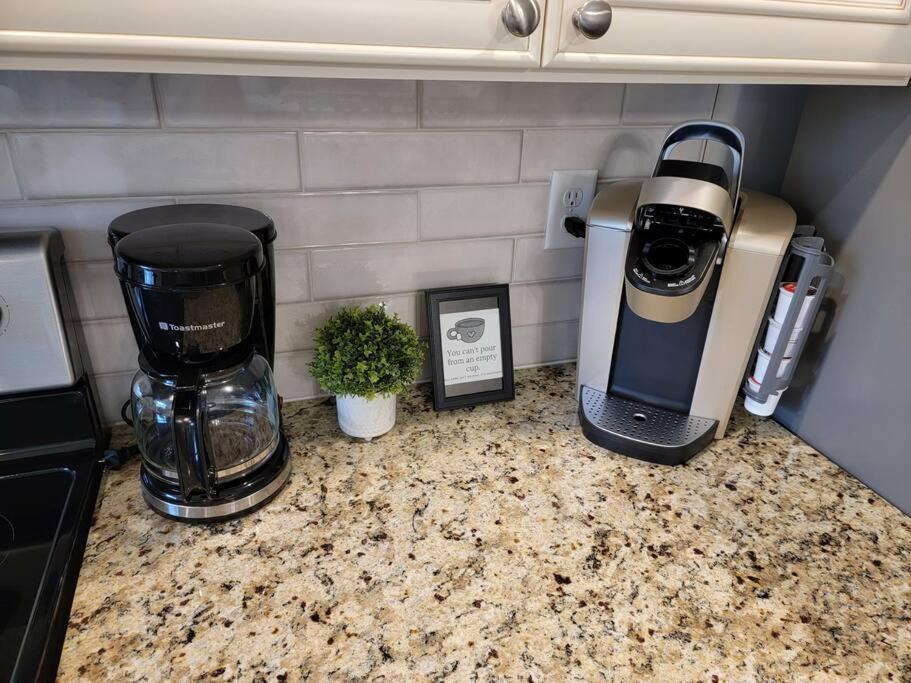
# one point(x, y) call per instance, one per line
point(363, 418)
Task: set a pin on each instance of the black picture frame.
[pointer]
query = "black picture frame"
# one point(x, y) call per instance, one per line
point(461, 299)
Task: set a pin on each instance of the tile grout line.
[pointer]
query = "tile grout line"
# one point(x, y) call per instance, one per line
point(36, 202)
point(365, 297)
point(292, 192)
point(419, 104)
point(412, 292)
point(299, 137)
point(293, 127)
point(296, 350)
point(521, 154)
point(418, 220)
point(363, 245)
point(309, 260)
point(257, 194)
point(157, 100)
point(14, 167)
point(715, 101)
point(623, 102)
point(39, 202)
point(305, 349)
point(705, 147)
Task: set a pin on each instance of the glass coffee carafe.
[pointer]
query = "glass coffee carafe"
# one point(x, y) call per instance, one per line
point(238, 424)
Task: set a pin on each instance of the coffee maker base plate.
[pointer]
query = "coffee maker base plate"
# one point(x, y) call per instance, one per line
point(233, 501)
point(642, 431)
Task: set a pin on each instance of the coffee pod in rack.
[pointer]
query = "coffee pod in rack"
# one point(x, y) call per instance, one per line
point(771, 336)
point(786, 297)
point(761, 409)
point(762, 365)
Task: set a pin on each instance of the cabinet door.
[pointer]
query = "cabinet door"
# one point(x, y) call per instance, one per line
point(840, 41)
point(447, 33)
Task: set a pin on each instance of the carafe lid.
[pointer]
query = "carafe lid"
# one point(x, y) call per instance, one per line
point(183, 214)
point(186, 256)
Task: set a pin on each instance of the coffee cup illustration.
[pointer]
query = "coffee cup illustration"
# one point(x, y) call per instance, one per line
point(468, 330)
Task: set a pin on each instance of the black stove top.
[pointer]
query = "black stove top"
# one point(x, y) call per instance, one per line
point(28, 533)
point(49, 478)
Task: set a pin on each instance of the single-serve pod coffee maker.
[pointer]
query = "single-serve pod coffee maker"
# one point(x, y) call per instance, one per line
point(805, 276)
point(679, 269)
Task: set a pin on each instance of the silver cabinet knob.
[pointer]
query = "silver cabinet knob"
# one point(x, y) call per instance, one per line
point(593, 18)
point(521, 17)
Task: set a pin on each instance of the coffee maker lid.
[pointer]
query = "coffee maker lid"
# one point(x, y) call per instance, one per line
point(188, 256)
point(182, 214)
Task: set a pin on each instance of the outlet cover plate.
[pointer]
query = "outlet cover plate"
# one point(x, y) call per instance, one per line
point(571, 194)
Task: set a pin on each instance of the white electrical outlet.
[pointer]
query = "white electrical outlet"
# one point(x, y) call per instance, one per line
point(571, 194)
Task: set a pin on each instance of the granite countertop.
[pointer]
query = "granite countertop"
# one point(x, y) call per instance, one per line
point(497, 543)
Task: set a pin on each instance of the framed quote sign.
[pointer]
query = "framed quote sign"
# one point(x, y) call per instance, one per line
point(470, 345)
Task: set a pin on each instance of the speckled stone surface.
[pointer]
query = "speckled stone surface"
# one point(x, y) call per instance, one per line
point(496, 543)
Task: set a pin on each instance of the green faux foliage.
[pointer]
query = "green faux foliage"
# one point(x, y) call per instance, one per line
point(365, 352)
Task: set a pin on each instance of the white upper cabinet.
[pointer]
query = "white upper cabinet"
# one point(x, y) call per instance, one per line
point(747, 41)
point(725, 40)
point(366, 33)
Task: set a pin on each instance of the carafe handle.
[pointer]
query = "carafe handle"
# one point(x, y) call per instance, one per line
point(194, 470)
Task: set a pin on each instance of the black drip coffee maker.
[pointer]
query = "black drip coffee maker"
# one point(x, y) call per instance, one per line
point(204, 404)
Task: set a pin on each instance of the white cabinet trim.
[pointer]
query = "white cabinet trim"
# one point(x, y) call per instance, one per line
point(43, 43)
point(889, 12)
point(815, 70)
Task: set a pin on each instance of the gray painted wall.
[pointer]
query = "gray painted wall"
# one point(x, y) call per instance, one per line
point(850, 173)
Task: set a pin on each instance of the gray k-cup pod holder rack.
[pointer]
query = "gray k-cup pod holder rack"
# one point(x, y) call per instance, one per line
point(816, 266)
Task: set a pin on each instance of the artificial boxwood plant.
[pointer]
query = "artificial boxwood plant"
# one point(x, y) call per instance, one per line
point(365, 352)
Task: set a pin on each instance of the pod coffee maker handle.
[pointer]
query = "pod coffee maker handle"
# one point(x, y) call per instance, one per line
point(194, 470)
point(715, 131)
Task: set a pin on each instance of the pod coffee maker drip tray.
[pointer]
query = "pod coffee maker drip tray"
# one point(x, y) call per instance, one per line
point(642, 430)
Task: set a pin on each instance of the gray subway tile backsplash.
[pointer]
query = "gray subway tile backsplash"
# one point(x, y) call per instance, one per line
point(455, 104)
point(534, 262)
point(296, 323)
point(292, 376)
point(312, 103)
point(110, 345)
point(96, 290)
point(385, 160)
point(292, 276)
point(547, 343)
point(545, 302)
point(83, 223)
point(652, 103)
point(392, 268)
point(112, 391)
point(313, 220)
point(451, 213)
point(76, 100)
point(379, 189)
point(615, 152)
point(88, 164)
